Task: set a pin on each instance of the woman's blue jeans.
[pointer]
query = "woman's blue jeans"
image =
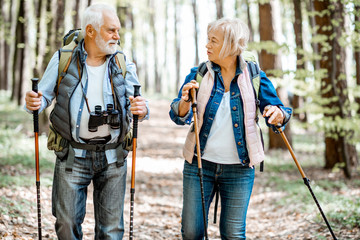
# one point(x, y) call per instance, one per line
point(235, 183)
point(70, 193)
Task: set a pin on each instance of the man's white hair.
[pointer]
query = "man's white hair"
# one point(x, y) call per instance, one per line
point(236, 35)
point(94, 15)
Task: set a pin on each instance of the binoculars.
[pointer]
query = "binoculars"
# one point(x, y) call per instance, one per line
point(109, 116)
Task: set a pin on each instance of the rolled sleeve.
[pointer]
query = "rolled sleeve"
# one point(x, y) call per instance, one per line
point(48, 83)
point(174, 107)
point(131, 80)
point(268, 96)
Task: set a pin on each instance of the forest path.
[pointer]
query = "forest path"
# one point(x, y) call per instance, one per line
point(158, 197)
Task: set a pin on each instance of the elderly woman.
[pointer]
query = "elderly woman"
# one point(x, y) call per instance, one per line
point(230, 145)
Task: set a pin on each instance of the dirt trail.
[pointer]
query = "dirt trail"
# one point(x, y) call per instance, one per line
point(158, 197)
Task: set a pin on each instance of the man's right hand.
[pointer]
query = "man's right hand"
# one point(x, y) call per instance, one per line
point(33, 100)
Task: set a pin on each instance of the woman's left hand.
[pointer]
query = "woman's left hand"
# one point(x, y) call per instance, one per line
point(276, 116)
point(138, 106)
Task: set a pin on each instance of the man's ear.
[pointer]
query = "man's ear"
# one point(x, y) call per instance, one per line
point(90, 31)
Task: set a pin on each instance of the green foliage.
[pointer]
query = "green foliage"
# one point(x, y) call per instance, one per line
point(17, 146)
point(13, 208)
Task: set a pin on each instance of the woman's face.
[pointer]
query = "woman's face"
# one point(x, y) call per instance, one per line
point(214, 45)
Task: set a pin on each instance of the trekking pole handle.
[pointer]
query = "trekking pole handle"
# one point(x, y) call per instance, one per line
point(35, 112)
point(135, 124)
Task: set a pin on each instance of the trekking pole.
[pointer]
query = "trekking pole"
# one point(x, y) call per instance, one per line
point(200, 173)
point(36, 133)
point(306, 180)
point(132, 190)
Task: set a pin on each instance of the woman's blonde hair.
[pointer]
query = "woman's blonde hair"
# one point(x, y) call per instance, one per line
point(236, 35)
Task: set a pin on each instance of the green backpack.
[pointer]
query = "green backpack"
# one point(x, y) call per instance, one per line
point(70, 41)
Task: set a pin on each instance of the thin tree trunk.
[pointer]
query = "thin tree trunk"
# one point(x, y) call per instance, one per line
point(121, 10)
point(337, 147)
point(5, 54)
point(177, 7)
point(155, 47)
point(133, 36)
point(76, 14)
point(18, 67)
point(196, 30)
point(38, 15)
point(297, 100)
point(357, 54)
point(219, 9)
point(249, 16)
point(59, 23)
point(270, 62)
point(2, 43)
point(50, 39)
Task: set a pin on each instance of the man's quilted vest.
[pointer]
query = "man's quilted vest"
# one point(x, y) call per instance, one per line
point(60, 116)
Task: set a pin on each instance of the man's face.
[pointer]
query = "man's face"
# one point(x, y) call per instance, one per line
point(107, 38)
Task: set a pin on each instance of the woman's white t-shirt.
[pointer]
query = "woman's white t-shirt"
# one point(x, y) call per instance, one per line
point(220, 146)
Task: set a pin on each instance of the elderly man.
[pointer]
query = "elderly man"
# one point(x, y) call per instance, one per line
point(93, 146)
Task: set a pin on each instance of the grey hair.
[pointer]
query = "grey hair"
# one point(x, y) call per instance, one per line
point(94, 15)
point(236, 35)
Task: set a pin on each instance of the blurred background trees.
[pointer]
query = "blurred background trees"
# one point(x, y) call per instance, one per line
point(309, 49)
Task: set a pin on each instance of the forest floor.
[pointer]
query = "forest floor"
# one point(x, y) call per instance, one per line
point(158, 197)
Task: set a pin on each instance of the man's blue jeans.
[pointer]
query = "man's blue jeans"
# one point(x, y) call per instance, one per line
point(235, 183)
point(70, 193)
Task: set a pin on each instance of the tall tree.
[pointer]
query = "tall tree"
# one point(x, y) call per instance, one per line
point(270, 61)
point(75, 14)
point(50, 30)
point(177, 8)
point(157, 76)
point(6, 21)
point(39, 11)
point(330, 22)
point(19, 55)
point(196, 30)
point(299, 55)
point(59, 23)
point(357, 52)
point(219, 9)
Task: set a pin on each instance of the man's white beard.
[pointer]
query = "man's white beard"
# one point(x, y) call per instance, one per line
point(105, 46)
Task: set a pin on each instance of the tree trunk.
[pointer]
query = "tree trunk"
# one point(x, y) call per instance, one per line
point(38, 56)
point(18, 63)
point(219, 9)
point(270, 62)
point(50, 39)
point(251, 36)
point(157, 76)
point(5, 47)
point(177, 41)
point(196, 30)
point(357, 53)
point(133, 36)
point(337, 147)
point(76, 14)
point(59, 23)
point(297, 100)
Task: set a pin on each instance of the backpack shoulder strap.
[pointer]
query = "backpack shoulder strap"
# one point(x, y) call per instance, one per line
point(120, 61)
point(201, 71)
point(65, 55)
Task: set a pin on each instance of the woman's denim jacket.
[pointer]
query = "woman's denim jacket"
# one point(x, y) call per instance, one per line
point(267, 96)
